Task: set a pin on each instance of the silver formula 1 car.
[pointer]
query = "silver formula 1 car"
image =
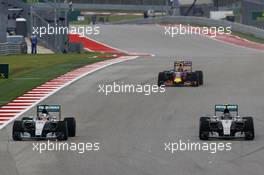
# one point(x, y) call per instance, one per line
point(227, 124)
point(46, 125)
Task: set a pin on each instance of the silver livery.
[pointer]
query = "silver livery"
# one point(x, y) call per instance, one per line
point(46, 125)
point(226, 123)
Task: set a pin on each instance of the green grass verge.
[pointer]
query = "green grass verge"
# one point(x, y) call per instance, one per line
point(29, 71)
point(249, 37)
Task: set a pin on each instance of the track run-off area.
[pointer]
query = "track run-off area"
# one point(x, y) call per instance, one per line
point(132, 128)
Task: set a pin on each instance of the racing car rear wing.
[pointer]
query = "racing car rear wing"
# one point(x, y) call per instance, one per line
point(230, 107)
point(49, 108)
point(183, 63)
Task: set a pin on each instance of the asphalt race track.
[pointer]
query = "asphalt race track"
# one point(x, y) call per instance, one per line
point(132, 128)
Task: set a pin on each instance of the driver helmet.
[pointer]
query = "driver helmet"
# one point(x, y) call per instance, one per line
point(226, 112)
point(44, 115)
point(180, 67)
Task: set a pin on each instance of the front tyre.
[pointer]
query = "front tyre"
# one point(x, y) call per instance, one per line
point(71, 123)
point(194, 80)
point(200, 77)
point(62, 131)
point(17, 130)
point(204, 128)
point(249, 128)
point(161, 78)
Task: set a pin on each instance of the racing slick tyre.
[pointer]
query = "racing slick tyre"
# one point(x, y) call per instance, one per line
point(199, 76)
point(194, 80)
point(249, 128)
point(161, 78)
point(17, 129)
point(62, 130)
point(71, 123)
point(204, 128)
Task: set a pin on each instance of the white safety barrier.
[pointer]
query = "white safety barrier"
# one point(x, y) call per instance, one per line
point(257, 32)
point(8, 49)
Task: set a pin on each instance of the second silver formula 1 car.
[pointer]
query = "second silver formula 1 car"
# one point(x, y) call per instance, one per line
point(226, 123)
point(46, 125)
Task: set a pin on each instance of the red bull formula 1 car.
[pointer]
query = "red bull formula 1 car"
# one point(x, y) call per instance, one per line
point(181, 75)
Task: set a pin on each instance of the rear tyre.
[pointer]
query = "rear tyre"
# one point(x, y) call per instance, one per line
point(249, 128)
point(199, 76)
point(161, 78)
point(71, 123)
point(62, 131)
point(17, 130)
point(204, 128)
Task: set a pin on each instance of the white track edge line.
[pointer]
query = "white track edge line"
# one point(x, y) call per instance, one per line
point(67, 84)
